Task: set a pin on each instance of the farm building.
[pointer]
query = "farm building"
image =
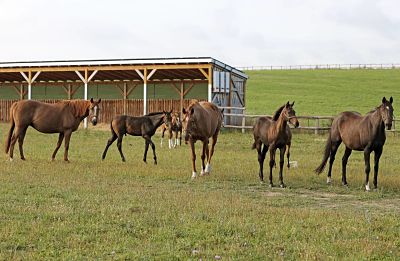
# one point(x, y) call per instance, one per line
point(126, 86)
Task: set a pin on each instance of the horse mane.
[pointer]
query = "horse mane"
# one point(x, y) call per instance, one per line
point(278, 113)
point(77, 107)
point(154, 113)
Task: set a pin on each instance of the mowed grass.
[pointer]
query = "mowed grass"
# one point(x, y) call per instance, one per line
point(320, 92)
point(89, 209)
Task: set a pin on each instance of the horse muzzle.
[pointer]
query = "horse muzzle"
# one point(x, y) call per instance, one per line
point(94, 121)
point(388, 126)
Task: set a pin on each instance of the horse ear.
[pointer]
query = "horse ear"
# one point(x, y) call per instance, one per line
point(384, 100)
point(91, 100)
point(292, 103)
point(391, 100)
point(170, 111)
point(99, 100)
point(222, 111)
point(192, 111)
point(184, 111)
point(287, 104)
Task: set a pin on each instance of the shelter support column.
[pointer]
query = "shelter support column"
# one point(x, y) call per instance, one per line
point(29, 79)
point(86, 79)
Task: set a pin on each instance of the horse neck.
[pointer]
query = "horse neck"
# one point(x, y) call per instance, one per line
point(157, 120)
point(378, 126)
point(281, 123)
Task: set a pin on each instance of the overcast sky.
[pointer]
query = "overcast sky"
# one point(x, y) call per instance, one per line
point(240, 33)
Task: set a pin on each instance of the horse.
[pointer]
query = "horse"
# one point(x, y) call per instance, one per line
point(273, 133)
point(173, 126)
point(63, 117)
point(144, 126)
point(201, 121)
point(360, 133)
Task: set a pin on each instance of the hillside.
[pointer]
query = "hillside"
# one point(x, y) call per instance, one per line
point(320, 92)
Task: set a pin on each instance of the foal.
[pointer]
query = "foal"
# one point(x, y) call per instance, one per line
point(144, 126)
point(272, 132)
point(174, 126)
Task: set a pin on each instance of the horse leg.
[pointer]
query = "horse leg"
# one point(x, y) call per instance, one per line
point(194, 173)
point(60, 139)
point(345, 158)
point(271, 164)
point(180, 138)
point(211, 152)
point(281, 162)
point(203, 156)
point(109, 142)
point(288, 154)
point(176, 139)
point(367, 153)
point(67, 137)
point(261, 158)
point(146, 148)
point(14, 138)
point(377, 156)
point(119, 145)
point(162, 136)
point(334, 148)
point(153, 147)
point(21, 137)
point(170, 135)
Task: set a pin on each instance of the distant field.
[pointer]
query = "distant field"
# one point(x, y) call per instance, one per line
point(321, 92)
point(89, 209)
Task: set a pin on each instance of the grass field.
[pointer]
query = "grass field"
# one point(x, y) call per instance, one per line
point(320, 92)
point(89, 209)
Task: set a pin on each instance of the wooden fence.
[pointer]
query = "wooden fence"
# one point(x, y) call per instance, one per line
point(321, 66)
point(310, 123)
point(110, 108)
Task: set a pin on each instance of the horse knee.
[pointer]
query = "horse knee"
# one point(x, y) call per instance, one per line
point(272, 163)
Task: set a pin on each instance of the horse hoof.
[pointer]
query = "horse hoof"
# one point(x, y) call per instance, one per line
point(271, 185)
point(155, 162)
point(194, 175)
point(11, 159)
point(367, 188)
point(328, 180)
point(282, 185)
point(23, 159)
point(202, 173)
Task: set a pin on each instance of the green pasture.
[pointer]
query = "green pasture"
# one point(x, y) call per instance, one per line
point(89, 209)
point(321, 92)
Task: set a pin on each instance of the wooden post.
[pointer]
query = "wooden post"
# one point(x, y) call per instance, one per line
point(22, 94)
point(243, 121)
point(69, 92)
point(181, 102)
point(145, 92)
point(125, 97)
point(317, 127)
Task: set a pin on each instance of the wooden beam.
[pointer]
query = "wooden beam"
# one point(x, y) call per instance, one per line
point(105, 68)
point(188, 89)
point(129, 90)
point(176, 88)
point(204, 73)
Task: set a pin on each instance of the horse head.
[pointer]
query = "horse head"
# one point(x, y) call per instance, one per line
point(94, 110)
point(291, 114)
point(386, 111)
point(188, 122)
point(167, 118)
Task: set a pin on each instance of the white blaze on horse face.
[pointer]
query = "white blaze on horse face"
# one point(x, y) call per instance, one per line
point(367, 188)
point(194, 175)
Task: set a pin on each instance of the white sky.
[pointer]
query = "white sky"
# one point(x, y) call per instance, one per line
point(240, 33)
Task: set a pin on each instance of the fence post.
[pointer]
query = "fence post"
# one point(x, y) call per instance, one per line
point(317, 127)
point(243, 121)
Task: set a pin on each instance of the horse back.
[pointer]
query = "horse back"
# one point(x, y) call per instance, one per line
point(212, 117)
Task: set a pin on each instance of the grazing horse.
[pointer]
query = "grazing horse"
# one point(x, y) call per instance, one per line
point(144, 126)
point(201, 121)
point(361, 133)
point(174, 125)
point(63, 117)
point(274, 133)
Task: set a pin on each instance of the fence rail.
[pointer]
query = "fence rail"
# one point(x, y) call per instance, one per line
point(309, 123)
point(322, 66)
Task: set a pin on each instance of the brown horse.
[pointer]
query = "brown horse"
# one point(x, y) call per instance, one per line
point(274, 133)
point(144, 126)
point(174, 126)
point(361, 133)
point(63, 117)
point(201, 121)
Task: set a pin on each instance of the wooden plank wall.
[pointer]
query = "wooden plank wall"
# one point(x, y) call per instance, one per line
point(110, 108)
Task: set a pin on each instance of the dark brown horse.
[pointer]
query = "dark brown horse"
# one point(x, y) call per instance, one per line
point(201, 121)
point(361, 133)
point(274, 133)
point(63, 117)
point(174, 126)
point(144, 126)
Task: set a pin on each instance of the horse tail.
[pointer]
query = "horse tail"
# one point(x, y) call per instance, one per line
point(327, 153)
point(10, 132)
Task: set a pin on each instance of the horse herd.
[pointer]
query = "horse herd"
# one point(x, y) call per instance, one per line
point(202, 121)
